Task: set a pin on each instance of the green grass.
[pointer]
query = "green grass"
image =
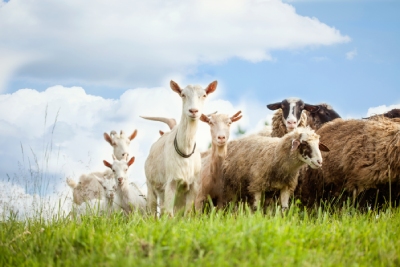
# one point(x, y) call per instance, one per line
point(344, 237)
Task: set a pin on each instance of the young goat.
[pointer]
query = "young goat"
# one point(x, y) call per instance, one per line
point(211, 183)
point(128, 195)
point(173, 165)
point(103, 204)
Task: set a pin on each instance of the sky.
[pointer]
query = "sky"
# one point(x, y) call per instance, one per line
point(72, 70)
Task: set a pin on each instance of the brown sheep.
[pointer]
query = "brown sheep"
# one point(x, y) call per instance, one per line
point(258, 164)
point(364, 154)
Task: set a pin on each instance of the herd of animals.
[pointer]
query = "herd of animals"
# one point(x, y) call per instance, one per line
point(308, 153)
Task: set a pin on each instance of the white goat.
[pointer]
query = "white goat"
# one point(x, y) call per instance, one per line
point(128, 195)
point(173, 165)
point(98, 205)
point(211, 182)
point(88, 187)
point(120, 142)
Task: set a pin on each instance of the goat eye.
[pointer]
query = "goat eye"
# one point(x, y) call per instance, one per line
point(104, 187)
point(204, 95)
point(183, 95)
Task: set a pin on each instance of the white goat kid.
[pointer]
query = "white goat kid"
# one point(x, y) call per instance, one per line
point(120, 142)
point(96, 206)
point(128, 195)
point(173, 165)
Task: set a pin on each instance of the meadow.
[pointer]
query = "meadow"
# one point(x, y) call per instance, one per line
point(321, 236)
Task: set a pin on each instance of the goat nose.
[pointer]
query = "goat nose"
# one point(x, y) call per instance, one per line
point(221, 137)
point(120, 180)
point(193, 111)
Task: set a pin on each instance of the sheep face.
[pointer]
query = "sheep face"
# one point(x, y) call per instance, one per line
point(120, 143)
point(193, 97)
point(323, 113)
point(291, 111)
point(309, 149)
point(220, 126)
point(120, 168)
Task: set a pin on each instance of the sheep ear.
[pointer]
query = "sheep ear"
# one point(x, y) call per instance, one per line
point(274, 106)
point(204, 118)
point(236, 117)
point(323, 147)
point(107, 164)
point(211, 87)
point(133, 135)
point(108, 138)
point(175, 87)
point(295, 145)
point(131, 161)
point(161, 132)
point(311, 108)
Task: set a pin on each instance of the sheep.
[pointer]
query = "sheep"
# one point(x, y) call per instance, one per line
point(364, 154)
point(211, 183)
point(320, 114)
point(128, 196)
point(258, 164)
point(391, 114)
point(288, 116)
point(173, 164)
point(120, 143)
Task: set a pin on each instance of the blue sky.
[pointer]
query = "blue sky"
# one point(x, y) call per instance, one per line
point(95, 66)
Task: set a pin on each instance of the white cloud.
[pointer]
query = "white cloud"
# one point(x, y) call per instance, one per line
point(38, 155)
point(122, 43)
point(351, 54)
point(381, 109)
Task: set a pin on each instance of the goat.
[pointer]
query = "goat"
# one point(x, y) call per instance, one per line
point(173, 165)
point(211, 182)
point(105, 203)
point(120, 142)
point(128, 195)
point(88, 187)
point(258, 164)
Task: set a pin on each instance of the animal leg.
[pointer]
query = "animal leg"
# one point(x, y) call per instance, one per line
point(284, 195)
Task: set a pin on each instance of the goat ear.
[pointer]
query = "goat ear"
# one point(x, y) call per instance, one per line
point(108, 138)
point(107, 164)
point(323, 147)
point(131, 161)
point(99, 179)
point(311, 108)
point(133, 135)
point(161, 132)
point(175, 87)
point(236, 117)
point(295, 145)
point(274, 106)
point(204, 118)
point(211, 87)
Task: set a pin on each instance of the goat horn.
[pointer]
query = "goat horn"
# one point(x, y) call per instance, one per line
point(170, 122)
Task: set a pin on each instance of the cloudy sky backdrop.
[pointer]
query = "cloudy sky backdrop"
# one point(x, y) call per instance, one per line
point(71, 70)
